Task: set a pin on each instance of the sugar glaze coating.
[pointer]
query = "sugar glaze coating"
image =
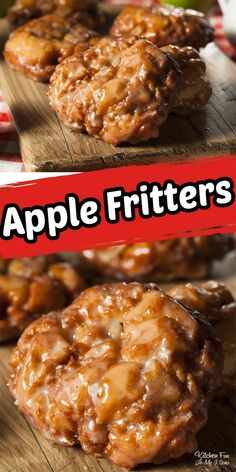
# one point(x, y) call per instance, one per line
point(125, 371)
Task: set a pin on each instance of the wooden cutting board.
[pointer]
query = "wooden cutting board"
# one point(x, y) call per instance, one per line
point(23, 449)
point(46, 145)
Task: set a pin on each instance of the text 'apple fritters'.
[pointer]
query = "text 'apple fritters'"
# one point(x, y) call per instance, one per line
point(126, 371)
point(37, 47)
point(164, 25)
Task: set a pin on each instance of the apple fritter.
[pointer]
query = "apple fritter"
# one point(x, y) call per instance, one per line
point(216, 302)
point(164, 25)
point(123, 89)
point(125, 371)
point(37, 47)
point(193, 90)
point(32, 287)
point(86, 11)
point(174, 259)
point(118, 90)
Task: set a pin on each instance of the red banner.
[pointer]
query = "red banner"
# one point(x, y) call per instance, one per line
point(82, 211)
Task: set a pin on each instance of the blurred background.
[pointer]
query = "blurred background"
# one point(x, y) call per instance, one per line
point(222, 14)
point(202, 5)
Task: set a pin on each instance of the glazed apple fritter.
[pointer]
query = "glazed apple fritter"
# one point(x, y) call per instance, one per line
point(122, 89)
point(118, 90)
point(31, 287)
point(164, 25)
point(193, 89)
point(126, 371)
point(217, 303)
point(175, 259)
point(3, 265)
point(87, 12)
point(37, 47)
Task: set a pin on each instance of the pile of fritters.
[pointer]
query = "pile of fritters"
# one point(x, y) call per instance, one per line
point(125, 370)
point(119, 88)
point(30, 287)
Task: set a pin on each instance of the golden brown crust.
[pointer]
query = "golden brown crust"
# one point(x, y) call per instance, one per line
point(125, 370)
point(216, 302)
point(118, 90)
point(32, 287)
point(164, 25)
point(193, 90)
point(123, 89)
point(175, 259)
point(31, 266)
point(86, 11)
point(37, 47)
point(210, 298)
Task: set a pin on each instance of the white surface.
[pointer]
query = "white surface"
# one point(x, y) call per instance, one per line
point(13, 177)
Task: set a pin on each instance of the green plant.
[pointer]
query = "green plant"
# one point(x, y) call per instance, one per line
point(4, 5)
point(202, 5)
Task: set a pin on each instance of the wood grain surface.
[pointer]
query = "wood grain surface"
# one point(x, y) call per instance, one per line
point(23, 449)
point(46, 145)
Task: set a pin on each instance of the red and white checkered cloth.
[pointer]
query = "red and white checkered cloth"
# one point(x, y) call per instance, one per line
point(220, 38)
point(10, 159)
